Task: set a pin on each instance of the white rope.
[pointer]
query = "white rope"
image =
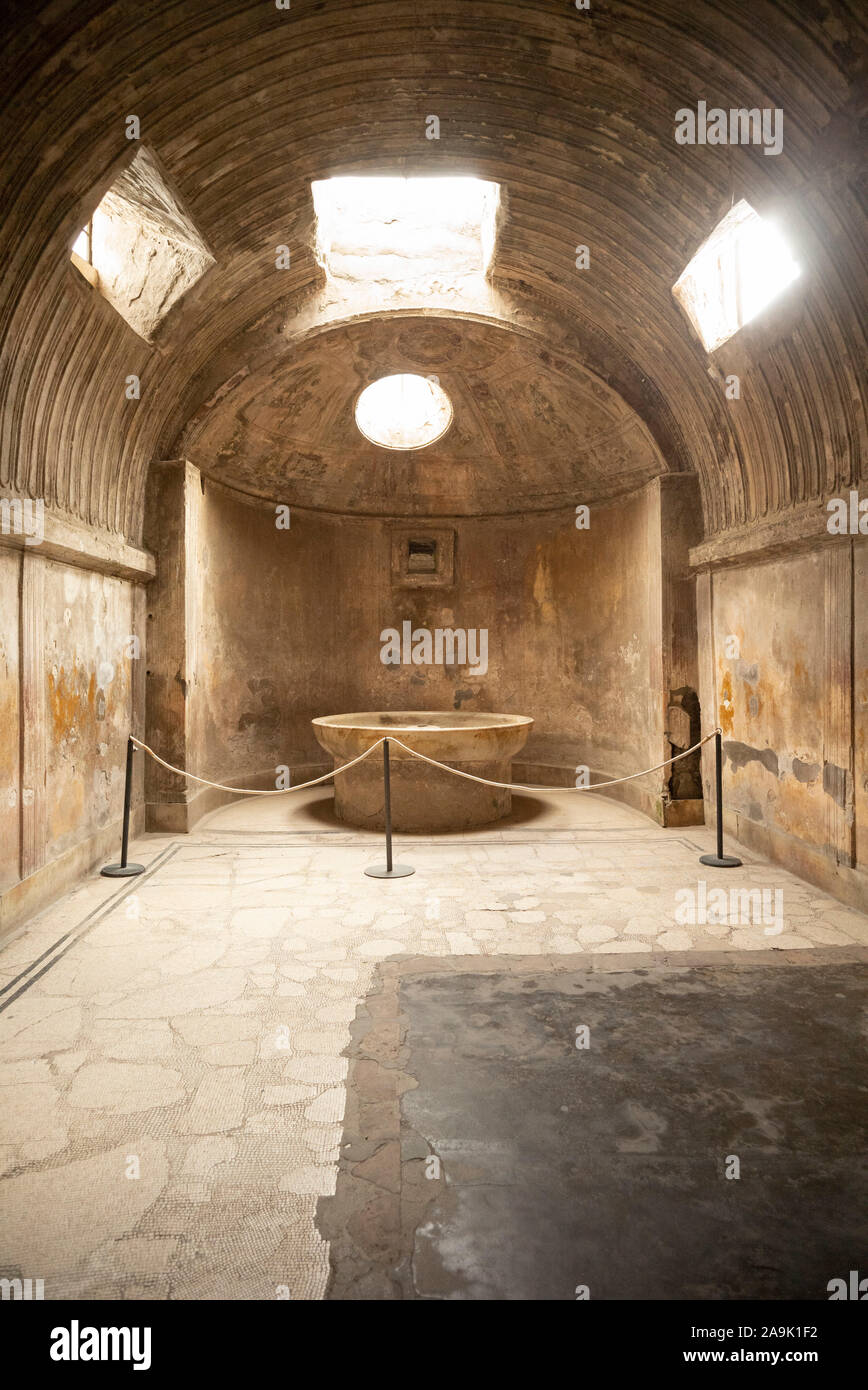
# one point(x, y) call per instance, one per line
point(470, 777)
point(522, 787)
point(251, 791)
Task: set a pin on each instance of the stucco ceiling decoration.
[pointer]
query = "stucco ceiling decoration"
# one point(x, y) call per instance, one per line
point(570, 112)
point(528, 432)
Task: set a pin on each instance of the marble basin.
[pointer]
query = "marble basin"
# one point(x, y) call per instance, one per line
point(424, 798)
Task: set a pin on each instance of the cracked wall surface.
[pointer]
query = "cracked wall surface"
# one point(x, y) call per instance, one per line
point(784, 658)
point(73, 681)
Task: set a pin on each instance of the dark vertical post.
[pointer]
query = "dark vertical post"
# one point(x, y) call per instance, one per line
point(123, 869)
point(718, 789)
point(390, 870)
point(128, 795)
point(719, 860)
point(387, 800)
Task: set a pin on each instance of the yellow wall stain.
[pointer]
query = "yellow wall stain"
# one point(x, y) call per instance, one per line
point(67, 701)
point(543, 592)
point(727, 709)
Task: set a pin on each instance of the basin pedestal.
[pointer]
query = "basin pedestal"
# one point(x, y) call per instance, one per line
point(425, 799)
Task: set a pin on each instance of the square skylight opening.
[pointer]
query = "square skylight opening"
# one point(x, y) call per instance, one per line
point(405, 231)
point(743, 266)
point(140, 249)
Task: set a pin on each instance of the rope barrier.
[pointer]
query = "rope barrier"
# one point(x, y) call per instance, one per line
point(252, 791)
point(392, 870)
point(524, 787)
point(470, 777)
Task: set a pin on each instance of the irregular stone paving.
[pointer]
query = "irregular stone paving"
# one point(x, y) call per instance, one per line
point(172, 1089)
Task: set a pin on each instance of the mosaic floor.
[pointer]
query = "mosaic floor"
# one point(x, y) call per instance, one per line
point(172, 1049)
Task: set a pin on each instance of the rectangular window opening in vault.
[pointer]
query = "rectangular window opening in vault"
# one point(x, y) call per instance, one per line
point(405, 231)
point(139, 248)
point(741, 268)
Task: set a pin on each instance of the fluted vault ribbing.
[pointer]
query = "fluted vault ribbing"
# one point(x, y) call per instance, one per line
point(572, 112)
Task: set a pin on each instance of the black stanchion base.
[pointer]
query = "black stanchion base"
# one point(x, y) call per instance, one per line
point(122, 870)
point(727, 862)
point(396, 871)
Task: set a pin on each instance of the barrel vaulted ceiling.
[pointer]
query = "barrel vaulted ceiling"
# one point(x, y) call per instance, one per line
point(568, 385)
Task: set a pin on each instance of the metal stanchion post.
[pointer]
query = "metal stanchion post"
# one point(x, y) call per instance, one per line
point(123, 869)
point(389, 870)
point(719, 860)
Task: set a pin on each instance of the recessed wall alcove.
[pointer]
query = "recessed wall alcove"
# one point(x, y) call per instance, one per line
point(256, 630)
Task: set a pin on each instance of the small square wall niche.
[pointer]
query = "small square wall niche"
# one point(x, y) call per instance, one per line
point(423, 557)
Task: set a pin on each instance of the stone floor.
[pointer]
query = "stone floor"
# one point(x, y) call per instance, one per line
point(174, 1048)
point(553, 1130)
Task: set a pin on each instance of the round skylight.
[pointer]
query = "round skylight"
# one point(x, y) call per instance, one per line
point(403, 411)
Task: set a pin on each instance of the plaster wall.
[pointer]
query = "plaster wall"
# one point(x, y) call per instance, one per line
point(784, 654)
point(70, 692)
point(87, 692)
